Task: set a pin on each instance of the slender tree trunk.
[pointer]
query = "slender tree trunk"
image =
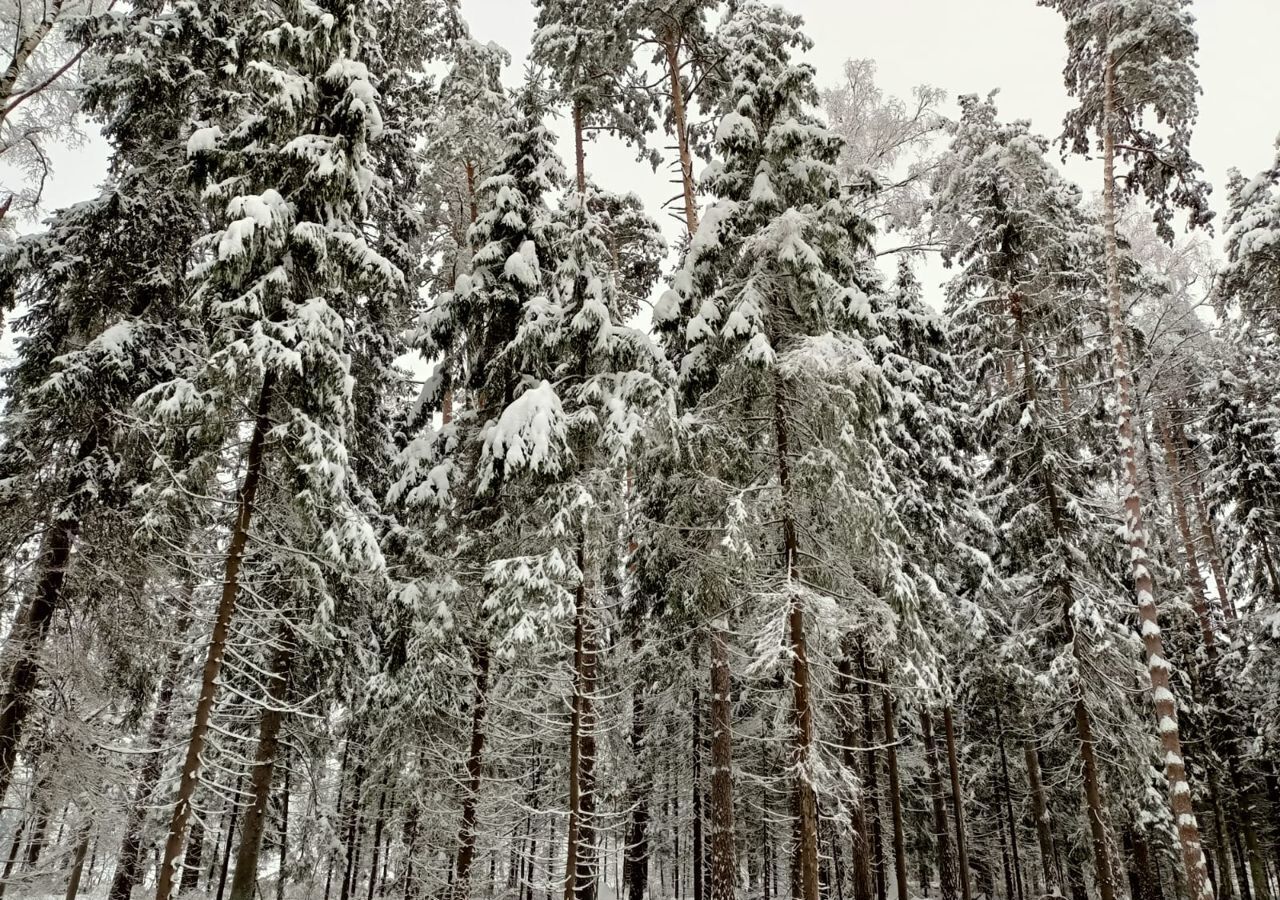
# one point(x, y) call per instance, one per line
point(805, 798)
point(697, 864)
point(475, 761)
point(574, 830)
point(957, 802)
point(26, 638)
point(379, 824)
point(1040, 810)
point(724, 865)
point(872, 775)
point(244, 882)
point(941, 829)
point(226, 850)
point(637, 849)
point(895, 790)
point(863, 879)
point(77, 860)
point(283, 876)
point(354, 829)
point(128, 863)
point(1195, 580)
point(192, 859)
point(1166, 710)
point(1008, 809)
point(671, 46)
point(1103, 868)
point(194, 762)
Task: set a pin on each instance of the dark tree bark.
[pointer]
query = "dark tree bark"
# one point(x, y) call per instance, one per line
point(77, 860)
point(1040, 810)
point(192, 859)
point(193, 764)
point(31, 626)
point(698, 863)
point(637, 849)
point(1008, 809)
point(872, 776)
point(724, 866)
point(244, 882)
point(863, 885)
point(475, 761)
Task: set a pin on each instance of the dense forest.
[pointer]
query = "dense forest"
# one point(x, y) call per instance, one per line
point(388, 509)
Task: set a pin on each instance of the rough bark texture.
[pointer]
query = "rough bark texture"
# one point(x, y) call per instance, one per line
point(863, 878)
point(636, 873)
point(1195, 580)
point(475, 759)
point(871, 775)
point(192, 765)
point(724, 866)
point(244, 881)
point(1166, 710)
point(1104, 870)
point(671, 48)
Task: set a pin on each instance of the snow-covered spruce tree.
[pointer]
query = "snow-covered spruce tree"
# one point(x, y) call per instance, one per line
point(280, 289)
point(1129, 61)
point(1020, 309)
point(1251, 277)
point(102, 289)
point(770, 307)
point(460, 483)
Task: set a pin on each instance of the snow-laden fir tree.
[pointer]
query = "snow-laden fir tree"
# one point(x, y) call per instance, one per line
point(280, 288)
point(771, 306)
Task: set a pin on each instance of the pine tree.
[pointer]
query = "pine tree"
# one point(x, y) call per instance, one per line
point(1127, 60)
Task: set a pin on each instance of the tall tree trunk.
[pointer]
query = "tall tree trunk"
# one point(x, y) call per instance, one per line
point(192, 859)
point(1166, 709)
point(941, 829)
point(379, 825)
point(129, 861)
point(475, 761)
point(957, 802)
point(77, 860)
point(231, 833)
point(1104, 872)
point(244, 882)
point(31, 626)
point(863, 879)
point(724, 865)
point(194, 762)
point(805, 798)
point(637, 848)
point(1008, 809)
point(283, 875)
point(895, 790)
point(354, 830)
point(671, 40)
point(14, 846)
point(573, 888)
point(1195, 580)
point(1040, 810)
point(698, 863)
point(872, 775)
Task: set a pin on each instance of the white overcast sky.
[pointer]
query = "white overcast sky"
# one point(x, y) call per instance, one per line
point(961, 46)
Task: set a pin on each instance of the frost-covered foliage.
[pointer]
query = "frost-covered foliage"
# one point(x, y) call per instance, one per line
point(1149, 47)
